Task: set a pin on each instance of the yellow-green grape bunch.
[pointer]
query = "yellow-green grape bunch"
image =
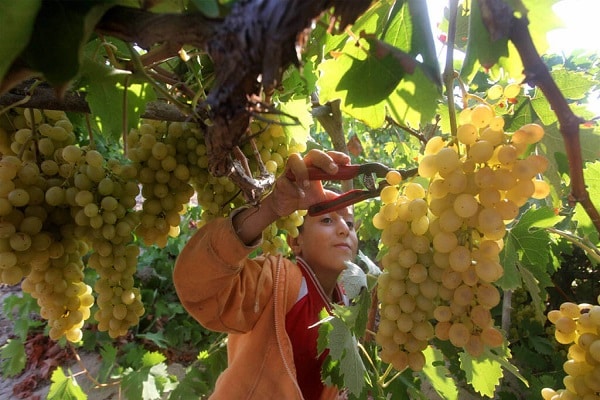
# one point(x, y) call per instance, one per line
point(166, 158)
point(578, 325)
point(119, 302)
point(56, 282)
point(38, 235)
point(407, 288)
point(477, 185)
point(102, 206)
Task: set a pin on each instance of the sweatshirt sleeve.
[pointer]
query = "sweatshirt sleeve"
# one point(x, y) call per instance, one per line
point(217, 283)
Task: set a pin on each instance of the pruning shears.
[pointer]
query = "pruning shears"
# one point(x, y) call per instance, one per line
point(369, 171)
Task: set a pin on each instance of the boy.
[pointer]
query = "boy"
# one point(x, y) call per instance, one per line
point(268, 305)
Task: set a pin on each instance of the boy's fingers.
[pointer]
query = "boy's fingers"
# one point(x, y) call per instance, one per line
point(328, 162)
point(297, 166)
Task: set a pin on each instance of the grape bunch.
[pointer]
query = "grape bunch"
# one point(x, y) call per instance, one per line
point(477, 184)
point(64, 202)
point(578, 325)
point(408, 286)
point(39, 240)
point(166, 157)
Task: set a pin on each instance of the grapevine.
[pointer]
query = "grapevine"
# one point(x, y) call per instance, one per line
point(61, 203)
point(442, 243)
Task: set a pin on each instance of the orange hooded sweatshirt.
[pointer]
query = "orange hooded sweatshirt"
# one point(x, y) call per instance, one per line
point(248, 299)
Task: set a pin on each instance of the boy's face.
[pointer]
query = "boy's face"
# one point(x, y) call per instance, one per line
point(327, 240)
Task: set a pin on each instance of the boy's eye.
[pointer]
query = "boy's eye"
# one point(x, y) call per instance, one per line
point(350, 224)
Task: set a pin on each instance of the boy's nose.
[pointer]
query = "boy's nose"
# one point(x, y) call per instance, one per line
point(343, 226)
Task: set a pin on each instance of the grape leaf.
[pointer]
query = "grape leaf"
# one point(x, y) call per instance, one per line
point(509, 258)
point(13, 357)
point(335, 336)
point(438, 375)
point(64, 388)
point(108, 356)
point(140, 384)
point(585, 226)
point(60, 31)
point(532, 287)
point(500, 55)
point(386, 74)
point(481, 49)
point(414, 101)
point(210, 8)
point(17, 20)
point(530, 244)
point(299, 108)
point(574, 85)
point(483, 373)
point(353, 279)
point(105, 88)
point(152, 358)
point(191, 386)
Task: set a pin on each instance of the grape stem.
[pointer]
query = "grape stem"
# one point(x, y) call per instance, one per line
point(449, 74)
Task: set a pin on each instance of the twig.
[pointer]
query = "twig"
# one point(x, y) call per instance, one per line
point(85, 371)
point(408, 129)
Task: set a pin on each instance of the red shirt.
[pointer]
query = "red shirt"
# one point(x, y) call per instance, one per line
point(303, 335)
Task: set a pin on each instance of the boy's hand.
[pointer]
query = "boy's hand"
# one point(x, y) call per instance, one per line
point(299, 194)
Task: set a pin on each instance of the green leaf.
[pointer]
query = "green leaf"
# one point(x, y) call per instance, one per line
point(409, 30)
point(13, 357)
point(152, 358)
point(483, 373)
point(509, 258)
point(210, 8)
point(414, 101)
point(140, 384)
point(371, 80)
point(574, 85)
point(299, 109)
point(17, 21)
point(531, 243)
point(438, 375)
point(553, 146)
point(343, 347)
point(353, 279)
point(481, 48)
point(105, 87)
point(591, 174)
point(61, 29)
point(157, 338)
point(64, 388)
point(108, 355)
point(532, 286)
point(192, 386)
